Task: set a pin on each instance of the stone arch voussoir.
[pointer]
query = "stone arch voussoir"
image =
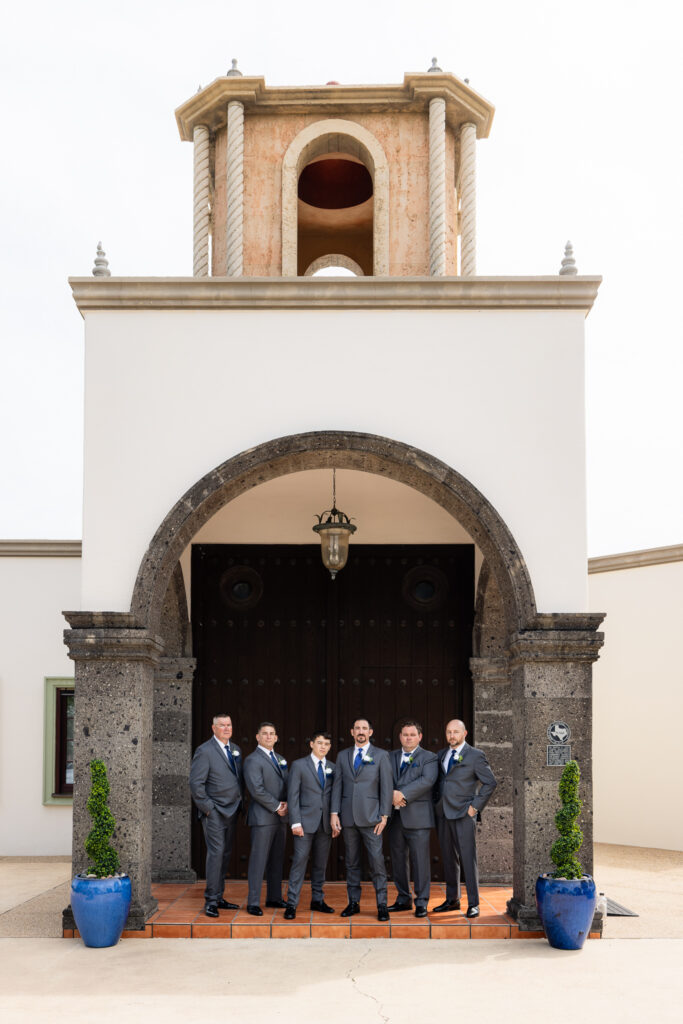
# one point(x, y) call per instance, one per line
point(365, 452)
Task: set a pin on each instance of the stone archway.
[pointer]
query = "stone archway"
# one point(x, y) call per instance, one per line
point(366, 452)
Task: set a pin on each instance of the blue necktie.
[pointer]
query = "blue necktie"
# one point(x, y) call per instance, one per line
point(274, 760)
point(451, 762)
point(404, 765)
point(231, 760)
point(321, 774)
point(358, 760)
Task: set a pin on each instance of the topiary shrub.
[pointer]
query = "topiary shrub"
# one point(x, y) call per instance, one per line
point(105, 859)
point(563, 851)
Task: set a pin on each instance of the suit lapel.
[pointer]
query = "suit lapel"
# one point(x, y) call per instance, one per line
point(276, 768)
point(314, 773)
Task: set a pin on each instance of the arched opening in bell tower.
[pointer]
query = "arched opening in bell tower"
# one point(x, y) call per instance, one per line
point(335, 212)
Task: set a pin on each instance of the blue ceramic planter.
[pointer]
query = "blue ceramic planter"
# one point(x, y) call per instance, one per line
point(100, 908)
point(566, 908)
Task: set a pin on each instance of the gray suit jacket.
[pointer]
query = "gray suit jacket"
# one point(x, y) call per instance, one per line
point(361, 799)
point(267, 786)
point(416, 783)
point(470, 782)
point(213, 782)
point(307, 802)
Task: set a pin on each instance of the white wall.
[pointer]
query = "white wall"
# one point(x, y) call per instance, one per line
point(497, 395)
point(638, 707)
point(33, 594)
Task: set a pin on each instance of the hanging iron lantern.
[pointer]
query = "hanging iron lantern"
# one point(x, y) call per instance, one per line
point(334, 529)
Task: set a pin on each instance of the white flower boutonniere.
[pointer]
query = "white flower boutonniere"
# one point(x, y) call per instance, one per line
point(409, 760)
point(368, 760)
point(328, 771)
point(458, 759)
point(235, 753)
point(282, 762)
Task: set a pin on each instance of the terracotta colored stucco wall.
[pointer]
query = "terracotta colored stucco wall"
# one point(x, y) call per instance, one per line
point(404, 137)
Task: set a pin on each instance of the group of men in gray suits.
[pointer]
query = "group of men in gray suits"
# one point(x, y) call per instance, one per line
point(406, 791)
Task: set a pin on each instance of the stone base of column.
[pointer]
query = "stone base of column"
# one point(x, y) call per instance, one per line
point(527, 918)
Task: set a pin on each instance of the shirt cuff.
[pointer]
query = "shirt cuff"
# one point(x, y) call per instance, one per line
point(296, 824)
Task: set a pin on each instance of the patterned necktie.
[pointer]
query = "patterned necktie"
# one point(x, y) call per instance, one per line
point(231, 760)
point(404, 765)
point(358, 760)
point(452, 761)
point(321, 774)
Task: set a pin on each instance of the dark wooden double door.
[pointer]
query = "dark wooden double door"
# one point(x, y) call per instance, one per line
point(277, 639)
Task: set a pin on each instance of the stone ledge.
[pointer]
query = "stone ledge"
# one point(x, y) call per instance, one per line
point(310, 293)
point(636, 559)
point(40, 548)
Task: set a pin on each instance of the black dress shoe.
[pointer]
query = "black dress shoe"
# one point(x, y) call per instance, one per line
point(224, 905)
point(420, 911)
point(276, 904)
point(472, 912)
point(290, 913)
point(321, 907)
point(395, 907)
point(210, 910)
point(447, 905)
point(254, 911)
point(350, 909)
point(382, 912)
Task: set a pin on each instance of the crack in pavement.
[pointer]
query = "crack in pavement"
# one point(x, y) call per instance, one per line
point(354, 981)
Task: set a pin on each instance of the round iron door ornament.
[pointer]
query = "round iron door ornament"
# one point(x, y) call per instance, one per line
point(241, 587)
point(424, 588)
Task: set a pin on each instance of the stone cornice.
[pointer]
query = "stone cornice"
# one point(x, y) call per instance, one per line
point(209, 106)
point(636, 559)
point(329, 293)
point(555, 645)
point(113, 645)
point(40, 548)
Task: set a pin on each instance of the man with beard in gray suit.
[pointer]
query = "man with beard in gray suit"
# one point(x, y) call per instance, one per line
point(265, 775)
point(217, 789)
point(415, 772)
point(361, 804)
point(463, 789)
point(309, 790)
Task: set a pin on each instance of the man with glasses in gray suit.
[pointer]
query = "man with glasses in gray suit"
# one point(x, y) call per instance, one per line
point(361, 805)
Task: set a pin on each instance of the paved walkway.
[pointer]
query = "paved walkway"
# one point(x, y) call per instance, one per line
point(397, 982)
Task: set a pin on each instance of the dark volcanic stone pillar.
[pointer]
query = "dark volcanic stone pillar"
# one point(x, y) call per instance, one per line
point(551, 670)
point(493, 735)
point(115, 661)
point(171, 847)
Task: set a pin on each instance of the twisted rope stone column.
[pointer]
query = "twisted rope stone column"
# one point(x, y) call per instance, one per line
point(235, 190)
point(200, 251)
point(437, 186)
point(468, 200)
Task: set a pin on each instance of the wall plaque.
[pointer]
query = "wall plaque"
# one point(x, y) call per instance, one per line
point(558, 754)
point(559, 732)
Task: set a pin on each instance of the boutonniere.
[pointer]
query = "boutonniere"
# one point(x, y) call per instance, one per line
point(408, 760)
point(235, 753)
point(368, 760)
point(458, 759)
point(281, 761)
point(328, 771)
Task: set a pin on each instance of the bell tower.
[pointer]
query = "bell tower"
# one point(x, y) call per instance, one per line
point(379, 179)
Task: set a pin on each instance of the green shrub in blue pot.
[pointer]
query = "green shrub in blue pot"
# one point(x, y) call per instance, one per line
point(566, 899)
point(100, 897)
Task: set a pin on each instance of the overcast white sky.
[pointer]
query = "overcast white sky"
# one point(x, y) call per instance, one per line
point(586, 145)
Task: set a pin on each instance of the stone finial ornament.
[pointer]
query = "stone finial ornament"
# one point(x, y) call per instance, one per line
point(435, 66)
point(233, 72)
point(101, 267)
point(568, 263)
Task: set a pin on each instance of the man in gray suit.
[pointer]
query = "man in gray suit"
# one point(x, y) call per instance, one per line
point(361, 804)
point(217, 789)
point(265, 775)
point(309, 791)
point(415, 771)
point(463, 789)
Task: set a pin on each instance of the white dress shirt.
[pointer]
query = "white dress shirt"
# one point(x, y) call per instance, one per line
point(316, 761)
